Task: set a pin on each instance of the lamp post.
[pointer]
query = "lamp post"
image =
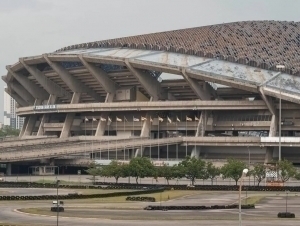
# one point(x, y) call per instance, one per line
point(280, 68)
point(57, 206)
point(286, 199)
point(245, 171)
point(249, 157)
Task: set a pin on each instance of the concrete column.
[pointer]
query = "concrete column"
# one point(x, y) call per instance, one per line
point(45, 117)
point(201, 127)
point(272, 133)
point(22, 131)
point(30, 125)
point(102, 124)
point(8, 169)
point(31, 121)
point(65, 132)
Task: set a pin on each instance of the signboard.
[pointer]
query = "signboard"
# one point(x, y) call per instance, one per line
point(44, 107)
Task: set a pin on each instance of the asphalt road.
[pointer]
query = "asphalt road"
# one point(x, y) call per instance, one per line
point(264, 214)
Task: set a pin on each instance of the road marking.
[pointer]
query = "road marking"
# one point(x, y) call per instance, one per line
point(42, 215)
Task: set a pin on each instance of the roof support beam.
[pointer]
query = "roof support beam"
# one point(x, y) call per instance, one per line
point(268, 101)
point(149, 83)
point(201, 92)
point(73, 83)
point(17, 98)
point(33, 89)
point(100, 75)
point(50, 86)
point(19, 89)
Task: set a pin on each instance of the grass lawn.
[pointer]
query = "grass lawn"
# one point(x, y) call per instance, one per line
point(252, 200)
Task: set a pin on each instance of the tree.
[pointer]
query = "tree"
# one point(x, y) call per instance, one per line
point(286, 170)
point(233, 169)
point(8, 131)
point(259, 172)
point(140, 167)
point(212, 171)
point(167, 172)
point(115, 169)
point(94, 170)
point(193, 168)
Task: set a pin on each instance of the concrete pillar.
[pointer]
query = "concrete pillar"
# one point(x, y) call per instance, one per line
point(65, 132)
point(22, 131)
point(104, 115)
point(8, 169)
point(145, 132)
point(45, 117)
point(201, 127)
point(272, 133)
point(30, 125)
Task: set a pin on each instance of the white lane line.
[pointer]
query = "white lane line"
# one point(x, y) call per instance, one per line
point(41, 215)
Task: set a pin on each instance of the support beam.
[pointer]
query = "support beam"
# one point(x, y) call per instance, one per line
point(30, 125)
point(45, 117)
point(102, 124)
point(100, 75)
point(149, 83)
point(32, 88)
point(268, 101)
point(272, 133)
point(50, 86)
point(201, 92)
point(19, 89)
point(8, 169)
point(73, 83)
point(65, 132)
point(31, 121)
point(145, 132)
point(17, 98)
point(200, 132)
point(22, 131)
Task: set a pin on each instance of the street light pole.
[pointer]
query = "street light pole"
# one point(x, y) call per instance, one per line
point(249, 162)
point(57, 206)
point(286, 199)
point(280, 68)
point(245, 171)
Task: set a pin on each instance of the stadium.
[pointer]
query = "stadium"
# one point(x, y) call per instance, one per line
point(215, 92)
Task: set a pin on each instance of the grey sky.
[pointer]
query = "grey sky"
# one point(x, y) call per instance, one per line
point(33, 27)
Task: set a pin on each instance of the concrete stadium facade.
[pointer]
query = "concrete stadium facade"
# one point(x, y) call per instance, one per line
point(212, 92)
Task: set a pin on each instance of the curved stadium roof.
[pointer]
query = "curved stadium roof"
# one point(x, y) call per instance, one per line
point(261, 44)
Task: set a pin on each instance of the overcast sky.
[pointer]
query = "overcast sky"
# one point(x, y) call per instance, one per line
point(33, 27)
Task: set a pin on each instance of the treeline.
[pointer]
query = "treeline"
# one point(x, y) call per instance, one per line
point(192, 169)
point(6, 131)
